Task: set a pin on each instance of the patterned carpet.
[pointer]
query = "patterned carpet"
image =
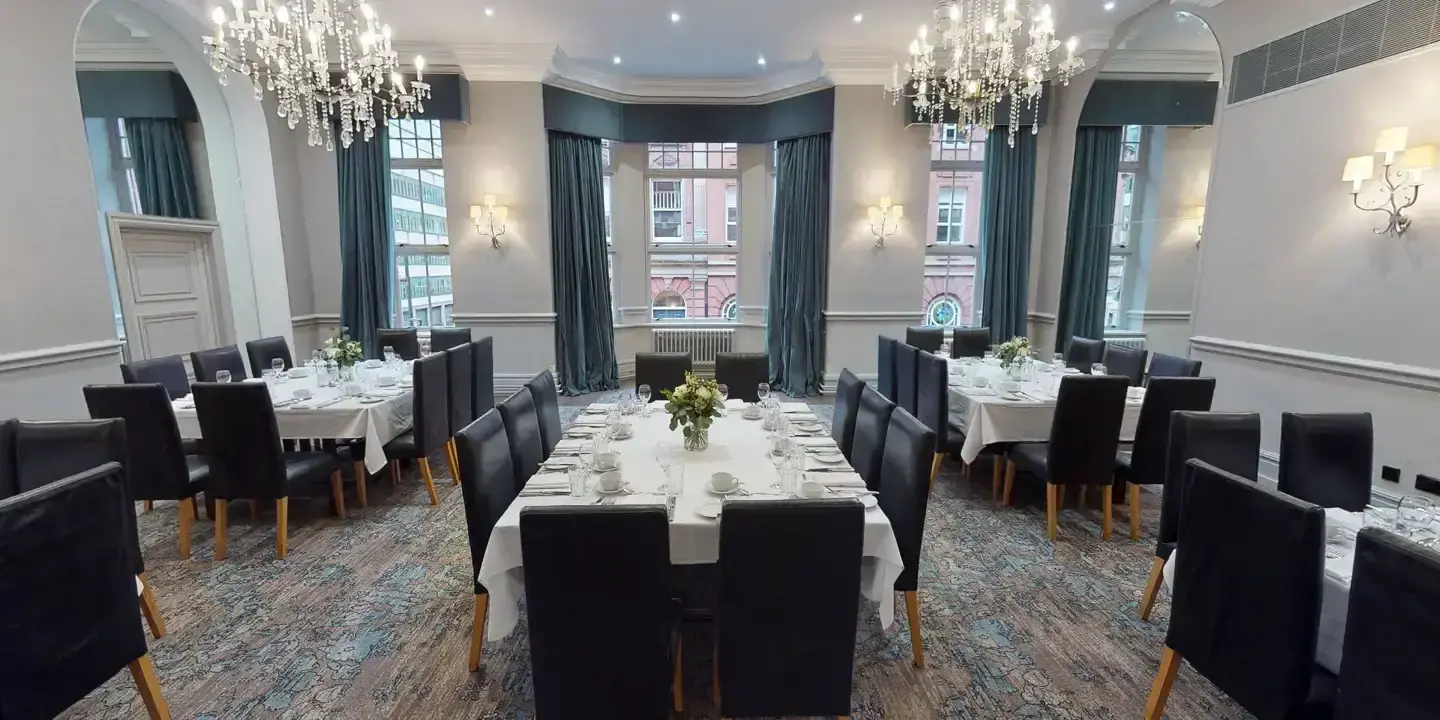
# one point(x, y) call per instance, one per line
point(369, 617)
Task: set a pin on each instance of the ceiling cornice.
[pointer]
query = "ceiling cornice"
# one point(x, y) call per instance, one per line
point(572, 74)
point(139, 52)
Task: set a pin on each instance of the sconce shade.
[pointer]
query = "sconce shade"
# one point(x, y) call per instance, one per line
point(874, 213)
point(1418, 158)
point(1392, 140)
point(489, 201)
point(476, 212)
point(1359, 169)
point(885, 202)
point(501, 213)
point(898, 211)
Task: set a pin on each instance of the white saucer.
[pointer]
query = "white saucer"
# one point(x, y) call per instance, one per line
point(1009, 396)
point(367, 400)
point(598, 471)
point(596, 411)
point(829, 459)
point(617, 491)
point(869, 501)
point(626, 436)
point(757, 417)
point(708, 510)
point(732, 491)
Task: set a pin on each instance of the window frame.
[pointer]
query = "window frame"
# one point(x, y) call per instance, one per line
point(949, 139)
point(1127, 253)
point(664, 247)
point(401, 252)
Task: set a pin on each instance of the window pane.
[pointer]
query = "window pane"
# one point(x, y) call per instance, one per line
point(1114, 288)
point(949, 292)
point(693, 287)
point(423, 289)
point(1124, 209)
point(951, 191)
point(692, 211)
point(951, 143)
point(417, 199)
point(606, 188)
point(414, 139)
point(700, 156)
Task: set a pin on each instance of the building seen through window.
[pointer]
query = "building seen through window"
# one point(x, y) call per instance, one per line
point(423, 295)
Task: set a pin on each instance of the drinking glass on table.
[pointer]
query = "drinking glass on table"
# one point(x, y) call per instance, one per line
point(643, 392)
point(989, 354)
point(724, 391)
point(1099, 369)
point(763, 391)
point(674, 485)
point(1057, 362)
point(222, 376)
point(664, 457)
point(777, 453)
point(425, 345)
point(278, 365)
point(389, 354)
point(626, 404)
point(1383, 518)
point(1414, 516)
point(579, 477)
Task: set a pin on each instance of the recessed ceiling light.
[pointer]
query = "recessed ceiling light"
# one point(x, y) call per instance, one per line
point(762, 61)
point(674, 17)
point(615, 60)
point(489, 12)
point(1109, 6)
point(859, 17)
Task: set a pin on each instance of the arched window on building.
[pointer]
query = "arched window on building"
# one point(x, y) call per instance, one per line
point(730, 309)
point(943, 310)
point(668, 305)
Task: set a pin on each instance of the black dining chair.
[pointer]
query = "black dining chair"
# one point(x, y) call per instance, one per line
point(1162, 365)
point(627, 666)
point(1143, 463)
point(847, 405)
point(932, 400)
point(907, 364)
point(206, 363)
point(872, 421)
point(925, 338)
point(404, 341)
point(904, 493)
point(662, 371)
point(1247, 593)
point(522, 429)
point(1081, 353)
point(483, 386)
point(158, 467)
point(247, 462)
point(885, 368)
point(1327, 458)
point(742, 373)
point(776, 654)
point(488, 487)
point(1126, 362)
point(1081, 452)
point(459, 375)
point(1389, 659)
point(969, 342)
point(169, 371)
point(442, 339)
point(9, 483)
point(264, 351)
point(547, 410)
point(431, 428)
point(71, 619)
point(1229, 441)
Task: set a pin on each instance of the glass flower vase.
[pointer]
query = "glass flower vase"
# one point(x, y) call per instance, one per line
point(698, 439)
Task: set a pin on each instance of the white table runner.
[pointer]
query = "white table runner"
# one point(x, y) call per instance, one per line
point(737, 446)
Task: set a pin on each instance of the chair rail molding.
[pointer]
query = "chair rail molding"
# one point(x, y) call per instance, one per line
point(827, 386)
point(1043, 318)
point(1159, 315)
point(1422, 378)
point(59, 355)
point(483, 319)
point(315, 319)
point(874, 316)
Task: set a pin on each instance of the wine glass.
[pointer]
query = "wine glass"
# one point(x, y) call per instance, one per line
point(989, 354)
point(222, 376)
point(389, 354)
point(1057, 362)
point(278, 365)
point(664, 457)
point(674, 485)
point(1414, 516)
point(724, 391)
point(643, 392)
point(763, 391)
point(1099, 369)
point(778, 457)
point(317, 358)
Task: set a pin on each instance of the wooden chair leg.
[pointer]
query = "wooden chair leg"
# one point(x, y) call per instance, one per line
point(1152, 588)
point(1052, 508)
point(149, 505)
point(477, 631)
point(143, 671)
point(995, 477)
point(1080, 501)
point(965, 470)
point(254, 509)
point(1134, 511)
point(453, 458)
point(222, 518)
point(935, 469)
point(282, 526)
point(676, 683)
point(429, 480)
point(150, 609)
point(337, 491)
point(1164, 679)
point(912, 609)
point(361, 476)
point(1009, 482)
point(185, 513)
point(1105, 506)
point(394, 473)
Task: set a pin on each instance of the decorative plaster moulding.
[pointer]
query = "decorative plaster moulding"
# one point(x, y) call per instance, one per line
point(571, 74)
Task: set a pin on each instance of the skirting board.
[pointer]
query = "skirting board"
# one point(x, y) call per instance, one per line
point(1422, 378)
point(827, 387)
point(59, 355)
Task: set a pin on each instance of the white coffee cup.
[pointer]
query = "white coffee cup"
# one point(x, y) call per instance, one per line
point(981, 382)
point(303, 394)
point(385, 380)
point(623, 429)
point(374, 363)
point(752, 410)
point(811, 489)
point(607, 460)
point(299, 372)
point(609, 482)
point(723, 482)
point(1010, 386)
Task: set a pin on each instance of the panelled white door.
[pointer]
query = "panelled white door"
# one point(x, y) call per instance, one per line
point(167, 281)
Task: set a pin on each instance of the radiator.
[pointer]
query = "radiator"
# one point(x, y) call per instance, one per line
point(702, 343)
point(1131, 341)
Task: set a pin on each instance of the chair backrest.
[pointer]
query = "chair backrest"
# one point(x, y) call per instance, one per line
point(242, 440)
point(9, 483)
point(483, 387)
point(405, 341)
point(1086, 429)
point(847, 404)
point(264, 350)
point(1391, 631)
point(661, 371)
point(169, 371)
point(925, 338)
point(907, 364)
point(431, 381)
point(522, 428)
point(885, 372)
point(442, 339)
point(1327, 458)
point(157, 469)
point(969, 342)
point(459, 375)
point(1152, 434)
point(1162, 365)
point(1126, 362)
point(742, 373)
point(786, 605)
point(1247, 590)
point(547, 410)
point(487, 480)
point(872, 421)
point(71, 618)
point(581, 665)
point(1229, 441)
point(905, 489)
point(932, 398)
point(1081, 353)
point(206, 363)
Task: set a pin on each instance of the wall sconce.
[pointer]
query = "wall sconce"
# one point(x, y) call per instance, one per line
point(488, 214)
point(883, 215)
point(1198, 212)
point(1398, 186)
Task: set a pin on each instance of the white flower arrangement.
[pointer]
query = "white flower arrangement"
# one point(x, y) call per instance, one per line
point(693, 405)
point(1013, 350)
point(343, 350)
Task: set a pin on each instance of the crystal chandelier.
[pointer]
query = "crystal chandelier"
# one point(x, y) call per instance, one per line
point(982, 60)
point(287, 47)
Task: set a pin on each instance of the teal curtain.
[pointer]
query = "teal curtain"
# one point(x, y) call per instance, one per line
point(1005, 234)
point(366, 251)
point(1087, 239)
point(584, 332)
point(795, 330)
point(163, 172)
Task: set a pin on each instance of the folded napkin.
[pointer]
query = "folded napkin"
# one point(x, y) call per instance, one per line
point(837, 480)
point(385, 392)
point(815, 441)
point(547, 481)
point(735, 404)
point(602, 406)
point(556, 461)
point(185, 404)
point(794, 407)
point(813, 465)
point(569, 445)
point(977, 391)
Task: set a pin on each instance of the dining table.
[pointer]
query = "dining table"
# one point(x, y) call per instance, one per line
point(737, 445)
point(987, 416)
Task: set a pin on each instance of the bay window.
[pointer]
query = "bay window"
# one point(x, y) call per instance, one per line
point(692, 204)
point(950, 290)
point(423, 294)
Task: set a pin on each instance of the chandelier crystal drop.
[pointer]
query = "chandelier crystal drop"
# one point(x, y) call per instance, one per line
point(324, 60)
point(982, 58)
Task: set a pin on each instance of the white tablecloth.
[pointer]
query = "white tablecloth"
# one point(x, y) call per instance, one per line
point(378, 423)
point(985, 418)
point(1334, 604)
point(737, 446)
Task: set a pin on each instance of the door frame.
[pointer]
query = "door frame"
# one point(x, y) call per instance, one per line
point(209, 232)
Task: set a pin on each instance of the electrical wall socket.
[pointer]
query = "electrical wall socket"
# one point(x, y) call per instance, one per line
point(1389, 474)
point(1426, 483)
